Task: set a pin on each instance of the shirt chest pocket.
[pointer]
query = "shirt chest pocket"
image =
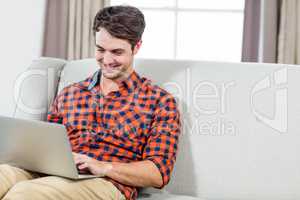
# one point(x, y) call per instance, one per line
point(81, 130)
point(134, 126)
point(125, 132)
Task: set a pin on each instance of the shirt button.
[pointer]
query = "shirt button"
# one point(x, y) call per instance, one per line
point(94, 106)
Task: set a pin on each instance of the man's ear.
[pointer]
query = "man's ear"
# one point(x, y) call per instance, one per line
point(137, 47)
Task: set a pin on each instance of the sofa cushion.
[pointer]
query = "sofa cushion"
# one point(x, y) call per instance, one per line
point(75, 71)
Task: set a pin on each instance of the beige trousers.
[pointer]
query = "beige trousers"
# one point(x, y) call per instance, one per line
point(18, 184)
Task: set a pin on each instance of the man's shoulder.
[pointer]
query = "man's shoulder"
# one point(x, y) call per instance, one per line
point(155, 90)
point(75, 87)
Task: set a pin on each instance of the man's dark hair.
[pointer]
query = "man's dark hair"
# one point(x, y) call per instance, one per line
point(123, 22)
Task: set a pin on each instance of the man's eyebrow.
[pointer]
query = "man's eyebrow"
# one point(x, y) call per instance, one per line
point(118, 49)
point(98, 46)
point(113, 50)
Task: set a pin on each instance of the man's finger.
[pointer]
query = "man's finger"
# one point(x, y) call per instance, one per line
point(82, 166)
point(78, 159)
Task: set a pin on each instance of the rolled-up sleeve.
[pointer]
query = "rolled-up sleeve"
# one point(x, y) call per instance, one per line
point(162, 144)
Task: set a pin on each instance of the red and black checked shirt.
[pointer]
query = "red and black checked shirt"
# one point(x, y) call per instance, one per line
point(138, 122)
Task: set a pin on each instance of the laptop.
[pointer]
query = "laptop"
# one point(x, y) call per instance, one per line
point(37, 146)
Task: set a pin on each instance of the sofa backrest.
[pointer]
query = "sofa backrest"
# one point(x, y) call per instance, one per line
point(240, 137)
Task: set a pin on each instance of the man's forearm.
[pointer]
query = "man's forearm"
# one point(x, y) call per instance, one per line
point(139, 174)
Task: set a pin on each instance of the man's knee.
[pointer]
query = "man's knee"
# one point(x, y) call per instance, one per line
point(4, 184)
point(5, 167)
point(21, 190)
point(28, 190)
point(9, 176)
point(41, 188)
point(15, 174)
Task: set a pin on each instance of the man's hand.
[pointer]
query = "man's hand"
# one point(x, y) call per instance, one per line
point(86, 164)
point(138, 174)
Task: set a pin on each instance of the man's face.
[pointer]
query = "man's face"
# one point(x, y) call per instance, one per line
point(114, 55)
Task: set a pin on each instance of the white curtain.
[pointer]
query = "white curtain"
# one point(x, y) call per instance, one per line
point(68, 30)
point(289, 33)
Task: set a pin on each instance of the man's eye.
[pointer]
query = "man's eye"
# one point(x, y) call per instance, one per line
point(117, 53)
point(100, 50)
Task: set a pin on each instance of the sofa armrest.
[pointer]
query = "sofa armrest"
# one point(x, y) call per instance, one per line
point(35, 88)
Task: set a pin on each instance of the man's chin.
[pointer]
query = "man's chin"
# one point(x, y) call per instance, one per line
point(112, 75)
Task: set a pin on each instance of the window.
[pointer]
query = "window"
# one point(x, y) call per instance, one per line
point(191, 29)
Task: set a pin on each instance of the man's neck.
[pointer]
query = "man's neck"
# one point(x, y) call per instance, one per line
point(109, 85)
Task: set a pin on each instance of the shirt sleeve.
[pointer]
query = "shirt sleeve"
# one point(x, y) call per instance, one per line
point(54, 115)
point(161, 147)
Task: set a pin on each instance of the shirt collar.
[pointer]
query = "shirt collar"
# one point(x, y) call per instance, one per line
point(130, 83)
point(95, 79)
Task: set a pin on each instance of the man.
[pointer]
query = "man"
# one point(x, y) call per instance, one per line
point(120, 125)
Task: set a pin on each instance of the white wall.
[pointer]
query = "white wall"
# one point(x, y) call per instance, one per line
point(21, 36)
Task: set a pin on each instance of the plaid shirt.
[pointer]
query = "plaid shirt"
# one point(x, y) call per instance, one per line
point(138, 122)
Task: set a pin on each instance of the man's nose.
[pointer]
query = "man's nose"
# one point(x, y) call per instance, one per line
point(107, 58)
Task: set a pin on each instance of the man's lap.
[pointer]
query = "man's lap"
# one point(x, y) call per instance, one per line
point(25, 185)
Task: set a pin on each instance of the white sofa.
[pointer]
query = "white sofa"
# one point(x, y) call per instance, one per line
point(241, 133)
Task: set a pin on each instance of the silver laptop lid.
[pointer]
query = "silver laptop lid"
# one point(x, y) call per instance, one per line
point(36, 146)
